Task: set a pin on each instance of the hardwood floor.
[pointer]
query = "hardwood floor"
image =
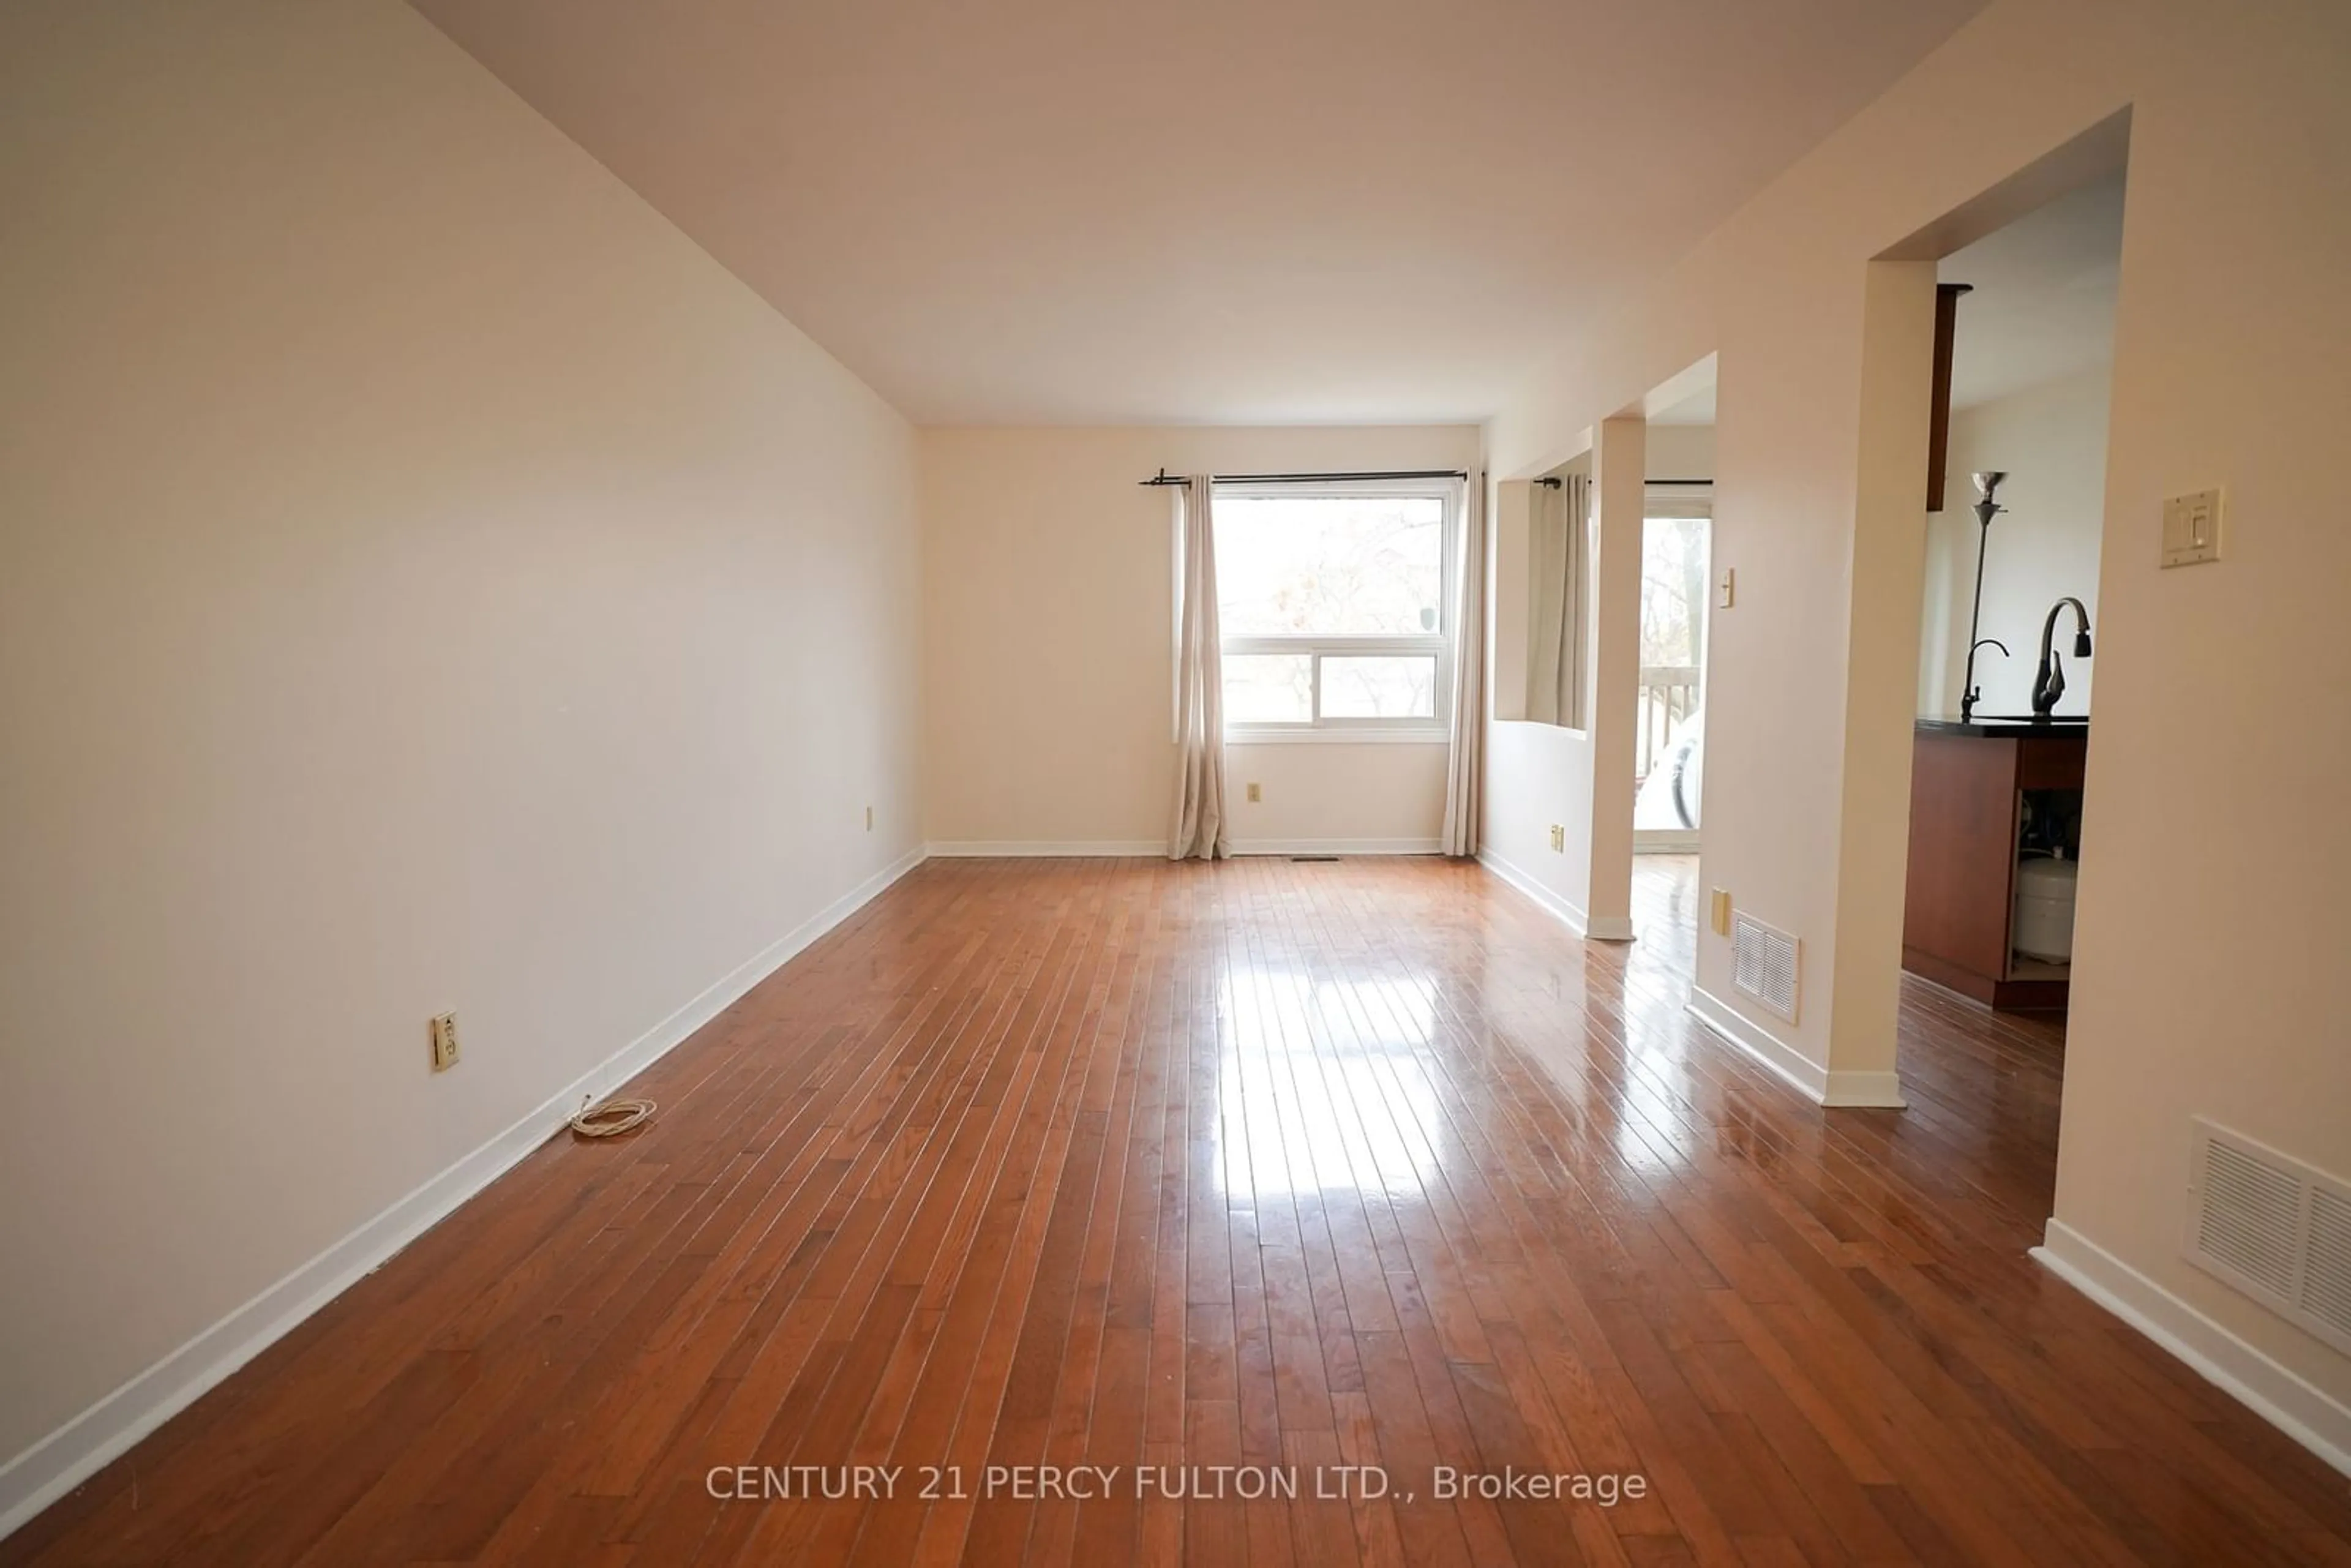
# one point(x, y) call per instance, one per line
point(1148, 1167)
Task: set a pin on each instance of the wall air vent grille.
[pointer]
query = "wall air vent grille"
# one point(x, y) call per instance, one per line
point(1764, 964)
point(2275, 1228)
point(2250, 1213)
point(2326, 1264)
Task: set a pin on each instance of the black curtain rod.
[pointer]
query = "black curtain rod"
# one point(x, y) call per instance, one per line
point(1548, 482)
point(1165, 478)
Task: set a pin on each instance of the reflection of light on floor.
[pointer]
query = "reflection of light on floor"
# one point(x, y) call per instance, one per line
point(1654, 1130)
point(1324, 1084)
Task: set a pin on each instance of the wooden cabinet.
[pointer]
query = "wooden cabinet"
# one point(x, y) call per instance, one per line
point(1967, 786)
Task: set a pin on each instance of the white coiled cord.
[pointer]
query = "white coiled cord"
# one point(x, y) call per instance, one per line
point(610, 1119)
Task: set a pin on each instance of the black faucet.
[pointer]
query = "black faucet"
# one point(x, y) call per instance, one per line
point(2049, 680)
point(1974, 694)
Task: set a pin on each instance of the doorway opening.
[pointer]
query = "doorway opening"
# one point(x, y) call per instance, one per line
point(2010, 599)
point(2008, 619)
point(1677, 554)
point(1668, 736)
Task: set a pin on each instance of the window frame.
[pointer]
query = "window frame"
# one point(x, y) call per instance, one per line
point(1319, 646)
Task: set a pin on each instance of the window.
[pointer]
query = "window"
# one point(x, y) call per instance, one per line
point(1335, 609)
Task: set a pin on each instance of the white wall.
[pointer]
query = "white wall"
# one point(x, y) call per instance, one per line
point(428, 582)
point(1049, 595)
point(2204, 969)
point(2052, 442)
point(1680, 452)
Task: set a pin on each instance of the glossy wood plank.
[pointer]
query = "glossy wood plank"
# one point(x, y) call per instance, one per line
point(1275, 1167)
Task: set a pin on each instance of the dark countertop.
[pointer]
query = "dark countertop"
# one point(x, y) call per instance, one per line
point(2008, 726)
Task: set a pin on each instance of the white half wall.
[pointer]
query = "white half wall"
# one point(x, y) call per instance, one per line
point(428, 582)
point(1050, 595)
point(1540, 774)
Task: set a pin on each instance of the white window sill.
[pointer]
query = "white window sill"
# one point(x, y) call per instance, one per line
point(1335, 735)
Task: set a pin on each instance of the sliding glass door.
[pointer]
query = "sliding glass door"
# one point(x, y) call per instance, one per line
point(1669, 737)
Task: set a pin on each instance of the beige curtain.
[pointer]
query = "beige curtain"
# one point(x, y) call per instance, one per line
point(1198, 823)
point(1465, 777)
point(1555, 555)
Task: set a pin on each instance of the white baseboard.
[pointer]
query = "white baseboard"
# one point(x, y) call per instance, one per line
point(1044, 849)
point(85, 1445)
point(1517, 876)
point(1865, 1092)
point(1665, 840)
point(1822, 1087)
point(1065, 849)
point(2275, 1393)
point(1338, 846)
point(1609, 927)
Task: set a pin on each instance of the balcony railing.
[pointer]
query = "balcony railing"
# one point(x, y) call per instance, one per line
point(1668, 699)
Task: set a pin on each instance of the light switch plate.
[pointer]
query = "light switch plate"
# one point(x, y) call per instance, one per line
point(2191, 528)
point(1723, 586)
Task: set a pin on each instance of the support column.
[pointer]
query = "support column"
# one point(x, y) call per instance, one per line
point(1619, 501)
point(1881, 679)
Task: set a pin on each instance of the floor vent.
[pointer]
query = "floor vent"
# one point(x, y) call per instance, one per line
point(2276, 1228)
point(1763, 964)
point(1317, 858)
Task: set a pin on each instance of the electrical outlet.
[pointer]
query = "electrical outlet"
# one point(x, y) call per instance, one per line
point(1721, 916)
point(869, 819)
point(1256, 792)
point(444, 1041)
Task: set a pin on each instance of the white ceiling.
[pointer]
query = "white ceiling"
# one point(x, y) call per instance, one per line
point(2043, 305)
point(1247, 211)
